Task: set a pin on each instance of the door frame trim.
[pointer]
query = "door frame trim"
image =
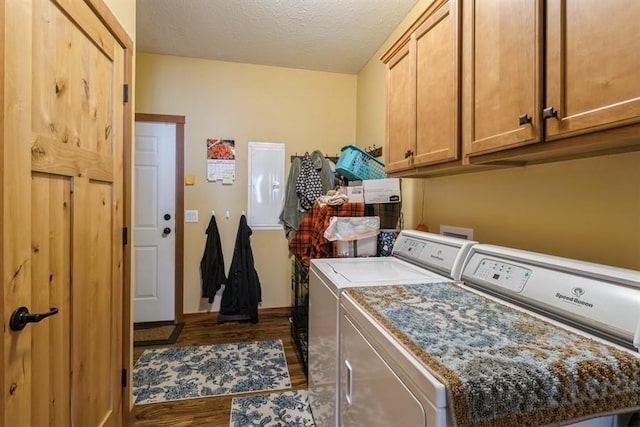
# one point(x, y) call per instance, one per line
point(179, 245)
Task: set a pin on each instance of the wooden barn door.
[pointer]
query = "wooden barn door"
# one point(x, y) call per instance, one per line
point(62, 215)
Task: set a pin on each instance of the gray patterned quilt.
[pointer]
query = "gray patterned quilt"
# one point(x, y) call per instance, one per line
point(500, 366)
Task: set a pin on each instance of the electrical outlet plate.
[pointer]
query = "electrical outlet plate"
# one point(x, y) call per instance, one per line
point(190, 216)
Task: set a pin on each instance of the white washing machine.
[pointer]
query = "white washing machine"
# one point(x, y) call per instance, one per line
point(522, 339)
point(417, 257)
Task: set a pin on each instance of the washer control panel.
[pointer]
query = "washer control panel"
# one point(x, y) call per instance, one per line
point(502, 274)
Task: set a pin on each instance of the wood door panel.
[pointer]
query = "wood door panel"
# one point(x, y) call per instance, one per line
point(400, 111)
point(93, 303)
point(502, 74)
point(73, 69)
point(51, 261)
point(593, 65)
point(83, 17)
point(437, 93)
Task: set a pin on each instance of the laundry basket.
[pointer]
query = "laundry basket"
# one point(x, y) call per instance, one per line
point(356, 164)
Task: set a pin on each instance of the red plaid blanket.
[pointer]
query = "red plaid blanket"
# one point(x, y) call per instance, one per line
point(309, 241)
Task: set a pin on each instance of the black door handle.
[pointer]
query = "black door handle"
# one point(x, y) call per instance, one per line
point(167, 217)
point(549, 112)
point(21, 316)
point(166, 231)
point(524, 119)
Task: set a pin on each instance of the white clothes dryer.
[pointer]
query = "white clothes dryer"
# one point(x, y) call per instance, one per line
point(417, 258)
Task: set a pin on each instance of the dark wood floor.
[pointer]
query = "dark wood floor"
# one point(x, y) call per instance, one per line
point(215, 411)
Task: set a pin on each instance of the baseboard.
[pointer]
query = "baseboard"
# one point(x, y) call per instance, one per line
point(263, 313)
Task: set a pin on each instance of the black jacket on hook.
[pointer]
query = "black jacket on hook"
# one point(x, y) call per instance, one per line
point(242, 293)
point(212, 263)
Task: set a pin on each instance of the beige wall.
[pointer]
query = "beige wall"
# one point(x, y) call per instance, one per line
point(125, 12)
point(371, 104)
point(586, 209)
point(305, 110)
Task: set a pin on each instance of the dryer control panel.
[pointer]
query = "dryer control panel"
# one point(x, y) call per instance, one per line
point(432, 251)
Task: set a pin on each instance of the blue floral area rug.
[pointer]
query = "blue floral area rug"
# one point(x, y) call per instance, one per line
point(212, 370)
point(287, 409)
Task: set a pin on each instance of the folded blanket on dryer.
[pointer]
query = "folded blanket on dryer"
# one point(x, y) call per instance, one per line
point(501, 366)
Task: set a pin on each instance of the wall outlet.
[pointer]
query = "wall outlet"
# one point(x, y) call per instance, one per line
point(190, 216)
point(459, 232)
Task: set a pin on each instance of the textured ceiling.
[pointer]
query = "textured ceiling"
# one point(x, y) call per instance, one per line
point(324, 35)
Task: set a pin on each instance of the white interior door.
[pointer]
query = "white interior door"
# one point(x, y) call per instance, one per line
point(154, 222)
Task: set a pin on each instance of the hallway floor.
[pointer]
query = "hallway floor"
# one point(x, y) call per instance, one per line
point(215, 411)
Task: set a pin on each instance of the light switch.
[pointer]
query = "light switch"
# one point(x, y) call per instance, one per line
point(190, 216)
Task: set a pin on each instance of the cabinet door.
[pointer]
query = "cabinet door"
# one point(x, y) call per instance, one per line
point(502, 74)
point(400, 111)
point(593, 65)
point(437, 89)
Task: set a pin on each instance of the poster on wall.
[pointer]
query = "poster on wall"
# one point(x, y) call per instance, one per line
point(221, 160)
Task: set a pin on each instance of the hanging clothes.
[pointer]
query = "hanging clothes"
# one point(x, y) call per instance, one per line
point(212, 263)
point(309, 242)
point(242, 293)
point(326, 175)
point(292, 213)
point(308, 183)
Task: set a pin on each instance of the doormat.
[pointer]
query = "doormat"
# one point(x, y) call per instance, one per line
point(290, 408)
point(156, 333)
point(177, 373)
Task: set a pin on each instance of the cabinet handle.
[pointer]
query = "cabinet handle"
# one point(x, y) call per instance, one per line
point(547, 113)
point(524, 119)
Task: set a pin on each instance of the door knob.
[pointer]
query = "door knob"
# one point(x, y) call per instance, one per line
point(166, 231)
point(167, 217)
point(21, 316)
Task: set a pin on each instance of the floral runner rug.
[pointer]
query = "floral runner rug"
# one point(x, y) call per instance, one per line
point(286, 409)
point(501, 366)
point(211, 370)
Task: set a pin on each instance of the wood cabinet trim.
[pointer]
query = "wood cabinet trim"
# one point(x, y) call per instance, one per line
point(404, 38)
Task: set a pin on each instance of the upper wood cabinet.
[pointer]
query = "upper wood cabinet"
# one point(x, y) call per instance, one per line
point(590, 80)
point(400, 111)
point(593, 65)
point(423, 92)
point(502, 69)
point(437, 64)
point(539, 81)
